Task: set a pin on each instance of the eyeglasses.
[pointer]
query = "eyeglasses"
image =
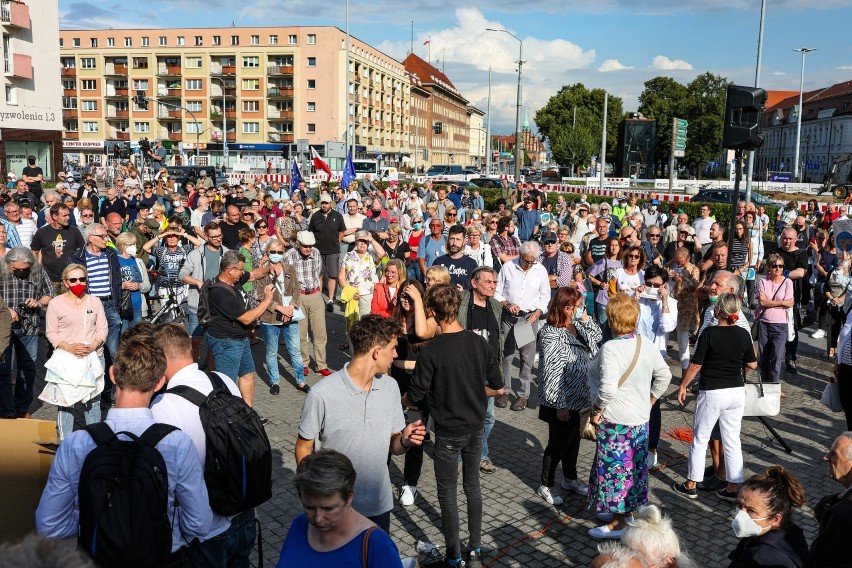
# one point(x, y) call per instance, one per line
point(653, 285)
point(683, 232)
point(262, 227)
point(451, 214)
point(776, 266)
point(363, 241)
point(634, 256)
point(249, 215)
point(549, 243)
point(219, 236)
point(276, 252)
point(75, 280)
point(653, 236)
point(86, 216)
point(99, 235)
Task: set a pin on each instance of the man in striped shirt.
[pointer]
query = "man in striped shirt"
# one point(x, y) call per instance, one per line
point(101, 263)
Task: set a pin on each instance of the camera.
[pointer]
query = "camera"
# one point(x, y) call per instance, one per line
point(144, 145)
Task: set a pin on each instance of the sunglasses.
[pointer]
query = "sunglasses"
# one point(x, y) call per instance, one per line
point(75, 280)
point(276, 252)
point(633, 256)
point(683, 232)
point(549, 242)
point(247, 215)
point(86, 216)
point(776, 266)
point(653, 236)
point(653, 285)
point(219, 236)
point(364, 241)
point(262, 227)
point(451, 214)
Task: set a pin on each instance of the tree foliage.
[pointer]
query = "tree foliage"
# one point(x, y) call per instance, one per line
point(661, 100)
point(576, 142)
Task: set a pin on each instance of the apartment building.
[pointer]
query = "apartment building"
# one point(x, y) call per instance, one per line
point(439, 116)
point(30, 111)
point(249, 92)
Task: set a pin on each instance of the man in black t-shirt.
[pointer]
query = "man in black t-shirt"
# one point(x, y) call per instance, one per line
point(227, 332)
point(231, 226)
point(33, 175)
point(795, 267)
point(328, 227)
point(54, 243)
point(596, 249)
point(459, 265)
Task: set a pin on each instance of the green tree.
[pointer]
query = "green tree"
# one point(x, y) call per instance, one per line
point(663, 100)
point(706, 113)
point(576, 142)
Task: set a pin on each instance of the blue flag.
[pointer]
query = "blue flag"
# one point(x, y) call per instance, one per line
point(348, 173)
point(295, 178)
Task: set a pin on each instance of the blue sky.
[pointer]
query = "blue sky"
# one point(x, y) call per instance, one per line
point(611, 44)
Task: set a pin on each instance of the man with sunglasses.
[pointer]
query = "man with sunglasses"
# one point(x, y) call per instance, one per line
point(231, 226)
point(557, 263)
point(328, 227)
point(102, 265)
point(237, 198)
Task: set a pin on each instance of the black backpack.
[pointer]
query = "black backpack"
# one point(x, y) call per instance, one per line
point(238, 462)
point(123, 499)
point(205, 313)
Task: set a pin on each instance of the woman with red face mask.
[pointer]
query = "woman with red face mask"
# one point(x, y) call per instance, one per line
point(77, 329)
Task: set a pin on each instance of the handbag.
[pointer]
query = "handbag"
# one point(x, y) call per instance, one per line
point(588, 431)
point(126, 307)
point(755, 325)
point(831, 397)
point(762, 399)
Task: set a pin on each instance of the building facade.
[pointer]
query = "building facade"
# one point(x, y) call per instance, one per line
point(826, 131)
point(478, 137)
point(30, 103)
point(256, 91)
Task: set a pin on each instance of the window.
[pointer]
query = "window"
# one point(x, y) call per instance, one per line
point(312, 61)
point(69, 84)
point(87, 63)
point(312, 107)
point(312, 39)
point(193, 84)
point(110, 42)
point(251, 84)
point(89, 84)
point(251, 127)
point(291, 39)
point(286, 127)
point(137, 108)
point(69, 103)
point(312, 83)
point(140, 84)
point(251, 62)
point(273, 40)
point(128, 42)
point(312, 128)
point(141, 127)
point(285, 60)
point(193, 106)
point(146, 41)
point(69, 63)
point(61, 42)
point(122, 105)
point(140, 62)
point(255, 40)
point(11, 95)
point(181, 40)
point(217, 40)
point(251, 106)
point(90, 126)
point(193, 63)
point(163, 41)
point(121, 126)
point(193, 128)
point(199, 40)
point(94, 42)
point(76, 42)
point(90, 106)
point(70, 125)
point(235, 40)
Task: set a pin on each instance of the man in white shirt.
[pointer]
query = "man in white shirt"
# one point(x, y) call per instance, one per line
point(26, 227)
point(702, 225)
point(353, 221)
point(523, 289)
point(226, 543)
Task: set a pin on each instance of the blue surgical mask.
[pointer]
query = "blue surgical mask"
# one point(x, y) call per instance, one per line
point(578, 313)
point(417, 225)
point(275, 258)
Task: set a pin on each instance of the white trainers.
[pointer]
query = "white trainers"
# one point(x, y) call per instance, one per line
point(575, 486)
point(550, 498)
point(604, 532)
point(818, 334)
point(407, 495)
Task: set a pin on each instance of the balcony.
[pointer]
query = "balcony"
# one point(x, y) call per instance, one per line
point(68, 135)
point(69, 71)
point(121, 92)
point(175, 113)
point(115, 69)
point(232, 136)
point(229, 70)
point(15, 14)
point(174, 136)
point(273, 69)
point(20, 66)
point(286, 137)
point(121, 135)
point(216, 91)
point(117, 114)
point(69, 92)
point(166, 93)
point(279, 92)
point(69, 113)
point(277, 114)
point(164, 70)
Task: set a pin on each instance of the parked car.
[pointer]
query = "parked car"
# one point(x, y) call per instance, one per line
point(490, 182)
point(459, 182)
point(183, 174)
point(725, 195)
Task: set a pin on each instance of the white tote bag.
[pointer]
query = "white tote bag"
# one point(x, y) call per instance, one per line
point(831, 397)
point(762, 399)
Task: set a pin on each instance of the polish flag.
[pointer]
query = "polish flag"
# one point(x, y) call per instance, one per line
point(319, 164)
point(428, 41)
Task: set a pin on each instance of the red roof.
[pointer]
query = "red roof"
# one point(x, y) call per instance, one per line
point(837, 96)
point(430, 75)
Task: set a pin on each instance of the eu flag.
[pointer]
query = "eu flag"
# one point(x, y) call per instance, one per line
point(348, 173)
point(295, 178)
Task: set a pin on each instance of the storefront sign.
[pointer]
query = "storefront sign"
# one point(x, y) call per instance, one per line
point(83, 144)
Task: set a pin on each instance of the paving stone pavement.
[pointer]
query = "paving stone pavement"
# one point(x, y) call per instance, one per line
point(519, 529)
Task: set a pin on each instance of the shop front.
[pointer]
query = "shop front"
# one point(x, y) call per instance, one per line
point(17, 144)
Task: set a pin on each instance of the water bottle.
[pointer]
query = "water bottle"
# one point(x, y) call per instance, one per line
point(428, 549)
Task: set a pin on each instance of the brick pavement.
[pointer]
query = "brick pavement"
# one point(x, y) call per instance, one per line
point(519, 529)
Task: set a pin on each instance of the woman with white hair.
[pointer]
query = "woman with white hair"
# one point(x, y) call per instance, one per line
point(651, 535)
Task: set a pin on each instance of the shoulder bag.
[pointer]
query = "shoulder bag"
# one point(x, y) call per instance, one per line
point(588, 431)
point(762, 399)
point(755, 325)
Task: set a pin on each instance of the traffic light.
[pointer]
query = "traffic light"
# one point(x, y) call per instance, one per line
point(743, 114)
point(141, 100)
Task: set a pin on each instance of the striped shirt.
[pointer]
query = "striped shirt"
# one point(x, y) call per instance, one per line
point(98, 268)
point(26, 229)
point(308, 269)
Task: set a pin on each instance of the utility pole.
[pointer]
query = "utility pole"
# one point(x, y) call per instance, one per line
point(750, 167)
point(672, 156)
point(603, 141)
point(804, 51)
point(518, 139)
point(488, 128)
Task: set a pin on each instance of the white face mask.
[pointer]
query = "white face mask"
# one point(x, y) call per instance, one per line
point(744, 526)
point(131, 250)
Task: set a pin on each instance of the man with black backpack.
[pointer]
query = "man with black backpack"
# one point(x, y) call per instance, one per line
point(232, 535)
point(141, 515)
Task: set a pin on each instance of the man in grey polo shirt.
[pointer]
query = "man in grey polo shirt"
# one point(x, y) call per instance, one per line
point(357, 412)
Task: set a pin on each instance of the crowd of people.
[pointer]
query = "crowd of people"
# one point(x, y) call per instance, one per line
point(453, 308)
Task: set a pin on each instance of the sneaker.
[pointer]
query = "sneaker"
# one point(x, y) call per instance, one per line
point(501, 401)
point(274, 389)
point(653, 464)
point(519, 404)
point(304, 387)
point(791, 366)
point(407, 495)
point(727, 495)
point(575, 486)
point(683, 491)
point(474, 558)
point(485, 466)
point(329, 307)
point(324, 372)
point(307, 371)
point(549, 498)
point(818, 334)
point(711, 483)
point(604, 532)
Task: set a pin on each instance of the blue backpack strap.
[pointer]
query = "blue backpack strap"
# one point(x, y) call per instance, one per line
point(100, 433)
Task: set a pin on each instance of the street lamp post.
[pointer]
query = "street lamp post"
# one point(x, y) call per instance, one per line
point(224, 122)
point(804, 51)
point(518, 151)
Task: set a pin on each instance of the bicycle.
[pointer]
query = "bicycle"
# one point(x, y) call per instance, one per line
point(171, 310)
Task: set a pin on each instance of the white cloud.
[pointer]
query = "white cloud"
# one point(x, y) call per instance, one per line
point(844, 67)
point(612, 65)
point(779, 73)
point(663, 63)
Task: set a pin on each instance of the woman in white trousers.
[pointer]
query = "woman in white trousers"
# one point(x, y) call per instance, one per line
point(723, 354)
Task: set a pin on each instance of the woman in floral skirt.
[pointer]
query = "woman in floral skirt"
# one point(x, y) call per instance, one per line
point(625, 380)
